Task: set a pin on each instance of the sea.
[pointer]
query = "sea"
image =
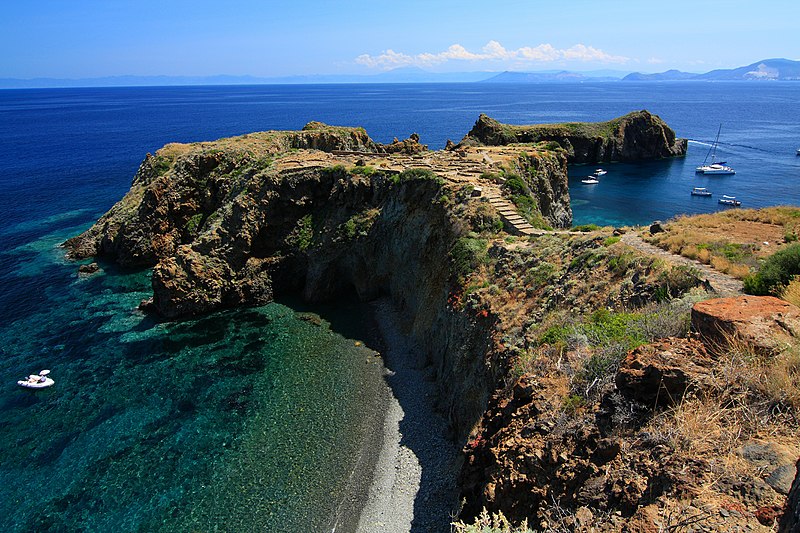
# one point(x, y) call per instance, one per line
point(255, 419)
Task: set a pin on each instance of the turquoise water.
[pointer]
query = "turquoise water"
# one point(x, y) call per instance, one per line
point(238, 421)
point(252, 419)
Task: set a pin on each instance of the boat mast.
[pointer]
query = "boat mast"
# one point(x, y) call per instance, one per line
point(713, 150)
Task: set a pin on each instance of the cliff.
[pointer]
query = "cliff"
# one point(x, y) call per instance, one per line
point(563, 360)
point(636, 136)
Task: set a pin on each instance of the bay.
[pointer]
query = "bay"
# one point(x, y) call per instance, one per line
point(257, 411)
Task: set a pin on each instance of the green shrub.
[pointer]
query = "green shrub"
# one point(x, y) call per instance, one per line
point(336, 171)
point(414, 174)
point(586, 227)
point(161, 164)
point(467, 254)
point(572, 403)
point(363, 171)
point(611, 240)
point(776, 272)
point(194, 223)
point(607, 327)
point(302, 234)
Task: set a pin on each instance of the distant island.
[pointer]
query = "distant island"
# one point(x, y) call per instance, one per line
point(767, 69)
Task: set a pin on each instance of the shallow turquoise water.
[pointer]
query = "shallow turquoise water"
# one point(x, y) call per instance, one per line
point(241, 420)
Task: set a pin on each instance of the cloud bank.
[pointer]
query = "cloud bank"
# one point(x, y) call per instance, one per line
point(493, 51)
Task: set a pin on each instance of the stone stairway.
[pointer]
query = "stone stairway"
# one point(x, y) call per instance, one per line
point(511, 217)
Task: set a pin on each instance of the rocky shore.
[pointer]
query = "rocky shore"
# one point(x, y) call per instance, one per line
point(541, 353)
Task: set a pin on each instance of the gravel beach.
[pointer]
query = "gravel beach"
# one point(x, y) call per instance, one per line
point(414, 485)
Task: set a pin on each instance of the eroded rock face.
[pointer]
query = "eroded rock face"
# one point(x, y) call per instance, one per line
point(661, 373)
point(763, 322)
point(636, 136)
point(790, 522)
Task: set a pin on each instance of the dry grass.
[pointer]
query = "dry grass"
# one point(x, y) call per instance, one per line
point(792, 292)
point(731, 241)
point(753, 397)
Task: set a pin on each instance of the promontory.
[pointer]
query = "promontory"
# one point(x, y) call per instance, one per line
point(563, 357)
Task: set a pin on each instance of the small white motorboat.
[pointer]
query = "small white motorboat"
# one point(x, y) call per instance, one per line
point(590, 180)
point(600, 172)
point(37, 381)
point(701, 191)
point(729, 200)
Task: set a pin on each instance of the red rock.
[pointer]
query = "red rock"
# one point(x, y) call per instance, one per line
point(662, 372)
point(765, 322)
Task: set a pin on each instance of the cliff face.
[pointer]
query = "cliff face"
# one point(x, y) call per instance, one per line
point(231, 223)
point(636, 136)
point(542, 351)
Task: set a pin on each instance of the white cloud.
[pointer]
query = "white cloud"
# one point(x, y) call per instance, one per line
point(493, 51)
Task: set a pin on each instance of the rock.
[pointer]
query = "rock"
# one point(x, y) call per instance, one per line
point(656, 227)
point(765, 323)
point(91, 268)
point(146, 305)
point(618, 231)
point(661, 373)
point(781, 478)
point(636, 136)
point(790, 521)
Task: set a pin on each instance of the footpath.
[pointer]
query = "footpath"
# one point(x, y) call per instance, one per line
point(722, 283)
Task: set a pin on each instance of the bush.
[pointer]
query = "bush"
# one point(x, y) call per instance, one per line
point(467, 254)
point(776, 272)
point(413, 174)
point(586, 227)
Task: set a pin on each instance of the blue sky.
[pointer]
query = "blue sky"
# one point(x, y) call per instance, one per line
point(82, 38)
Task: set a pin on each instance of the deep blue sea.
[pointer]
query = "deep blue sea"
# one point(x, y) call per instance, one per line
point(252, 419)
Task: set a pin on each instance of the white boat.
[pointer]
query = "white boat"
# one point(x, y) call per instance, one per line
point(798, 151)
point(729, 200)
point(37, 381)
point(717, 168)
point(590, 180)
point(600, 172)
point(701, 191)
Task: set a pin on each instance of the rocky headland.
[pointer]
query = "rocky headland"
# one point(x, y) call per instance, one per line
point(637, 136)
point(563, 360)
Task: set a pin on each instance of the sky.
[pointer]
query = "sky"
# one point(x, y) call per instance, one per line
point(94, 38)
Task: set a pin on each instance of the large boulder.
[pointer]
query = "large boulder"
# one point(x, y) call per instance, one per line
point(764, 322)
point(661, 373)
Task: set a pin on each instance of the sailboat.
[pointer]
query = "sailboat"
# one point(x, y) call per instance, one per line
point(717, 168)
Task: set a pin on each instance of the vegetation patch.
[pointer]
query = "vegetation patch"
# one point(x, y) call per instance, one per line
point(358, 225)
point(775, 274)
point(468, 253)
point(733, 241)
point(302, 235)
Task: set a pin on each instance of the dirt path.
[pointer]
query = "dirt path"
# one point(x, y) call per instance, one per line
point(722, 283)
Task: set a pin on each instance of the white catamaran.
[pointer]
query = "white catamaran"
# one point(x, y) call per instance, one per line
point(715, 167)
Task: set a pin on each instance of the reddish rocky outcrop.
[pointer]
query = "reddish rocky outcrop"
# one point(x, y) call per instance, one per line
point(663, 372)
point(636, 136)
point(763, 322)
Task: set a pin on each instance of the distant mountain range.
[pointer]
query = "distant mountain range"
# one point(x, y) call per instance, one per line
point(768, 69)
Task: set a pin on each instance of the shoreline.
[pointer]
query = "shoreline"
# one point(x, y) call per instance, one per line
point(414, 479)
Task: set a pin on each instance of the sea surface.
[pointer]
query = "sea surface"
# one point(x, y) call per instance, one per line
point(253, 419)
